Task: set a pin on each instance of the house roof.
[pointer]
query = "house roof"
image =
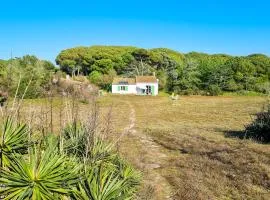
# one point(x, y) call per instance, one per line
point(146, 79)
point(123, 81)
point(132, 81)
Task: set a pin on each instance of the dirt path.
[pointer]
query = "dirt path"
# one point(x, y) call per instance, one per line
point(151, 158)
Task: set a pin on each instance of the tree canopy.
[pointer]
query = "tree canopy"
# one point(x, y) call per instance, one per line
point(182, 73)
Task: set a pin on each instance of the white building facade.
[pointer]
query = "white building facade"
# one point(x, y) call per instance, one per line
point(140, 85)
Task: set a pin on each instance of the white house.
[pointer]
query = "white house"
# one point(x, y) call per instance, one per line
point(140, 85)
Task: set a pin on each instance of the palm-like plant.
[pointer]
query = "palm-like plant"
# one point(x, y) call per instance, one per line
point(13, 139)
point(44, 175)
point(105, 183)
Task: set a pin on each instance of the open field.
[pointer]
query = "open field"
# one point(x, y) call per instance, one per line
point(185, 148)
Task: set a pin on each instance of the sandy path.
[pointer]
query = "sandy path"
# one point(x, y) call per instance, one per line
point(151, 158)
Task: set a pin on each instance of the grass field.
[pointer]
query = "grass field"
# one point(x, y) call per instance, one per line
point(186, 149)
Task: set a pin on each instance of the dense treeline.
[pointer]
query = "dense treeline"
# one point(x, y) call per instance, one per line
point(192, 73)
point(26, 72)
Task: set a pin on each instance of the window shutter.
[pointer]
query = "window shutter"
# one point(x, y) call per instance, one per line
point(153, 90)
point(126, 88)
point(118, 88)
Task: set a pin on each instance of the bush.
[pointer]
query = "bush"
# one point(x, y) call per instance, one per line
point(259, 129)
point(26, 72)
point(214, 90)
point(95, 77)
point(104, 81)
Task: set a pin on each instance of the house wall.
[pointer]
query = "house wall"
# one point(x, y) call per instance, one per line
point(131, 89)
point(151, 84)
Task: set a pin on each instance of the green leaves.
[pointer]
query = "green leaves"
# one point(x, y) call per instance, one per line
point(81, 166)
point(13, 139)
point(106, 183)
point(224, 72)
point(41, 176)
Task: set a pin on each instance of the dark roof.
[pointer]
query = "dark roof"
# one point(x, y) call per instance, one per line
point(123, 81)
point(146, 79)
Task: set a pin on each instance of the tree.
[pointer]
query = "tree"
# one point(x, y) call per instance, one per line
point(228, 73)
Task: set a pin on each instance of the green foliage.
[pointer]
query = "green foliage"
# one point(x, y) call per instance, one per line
point(44, 175)
point(214, 90)
point(181, 73)
point(105, 182)
point(30, 72)
point(102, 80)
point(95, 77)
point(13, 140)
point(75, 139)
point(78, 164)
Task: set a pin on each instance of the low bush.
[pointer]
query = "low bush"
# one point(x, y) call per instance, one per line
point(259, 129)
point(214, 90)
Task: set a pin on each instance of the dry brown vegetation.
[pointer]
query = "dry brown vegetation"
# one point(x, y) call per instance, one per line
point(184, 148)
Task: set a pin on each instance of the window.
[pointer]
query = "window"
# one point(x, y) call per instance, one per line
point(148, 89)
point(123, 88)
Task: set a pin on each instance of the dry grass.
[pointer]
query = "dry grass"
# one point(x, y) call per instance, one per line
point(182, 146)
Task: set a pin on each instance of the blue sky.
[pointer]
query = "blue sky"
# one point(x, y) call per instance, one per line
point(45, 27)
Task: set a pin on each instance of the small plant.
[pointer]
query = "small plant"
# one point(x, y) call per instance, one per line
point(259, 129)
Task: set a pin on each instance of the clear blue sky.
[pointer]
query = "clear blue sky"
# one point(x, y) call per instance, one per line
point(46, 27)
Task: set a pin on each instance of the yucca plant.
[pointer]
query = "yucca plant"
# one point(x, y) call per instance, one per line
point(100, 151)
point(105, 175)
point(75, 139)
point(43, 175)
point(105, 183)
point(13, 139)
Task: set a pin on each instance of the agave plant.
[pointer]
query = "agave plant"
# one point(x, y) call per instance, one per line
point(44, 175)
point(105, 183)
point(13, 139)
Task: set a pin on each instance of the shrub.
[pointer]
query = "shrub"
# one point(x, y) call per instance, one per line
point(214, 90)
point(95, 77)
point(26, 72)
point(259, 129)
